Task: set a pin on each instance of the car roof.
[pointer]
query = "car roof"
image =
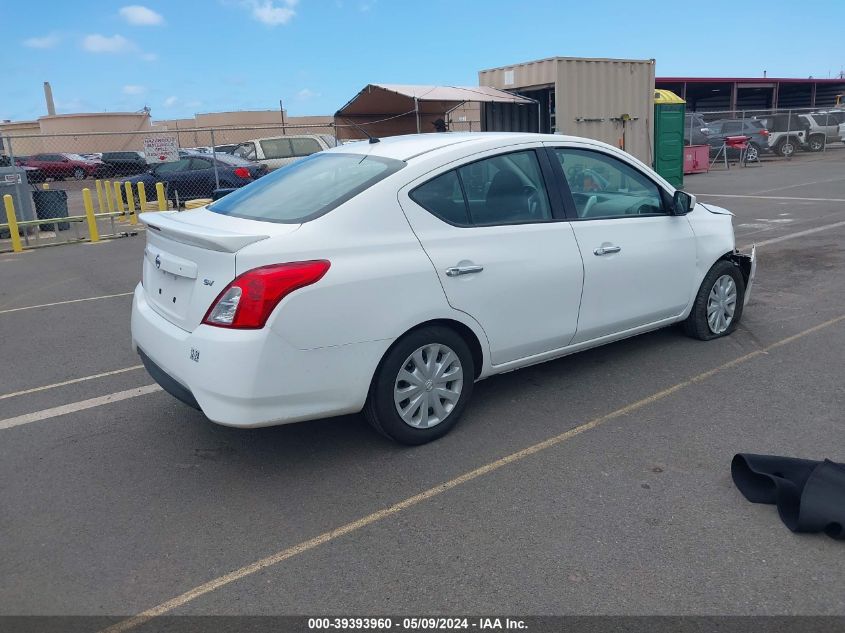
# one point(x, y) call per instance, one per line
point(273, 138)
point(410, 146)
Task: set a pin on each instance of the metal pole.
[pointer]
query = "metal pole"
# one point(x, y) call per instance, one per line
point(788, 140)
point(417, 111)
point(24, 181)
point(826, 124)
point(282, 112)
point(690, 128)
point(214, 162)
point(539, 117)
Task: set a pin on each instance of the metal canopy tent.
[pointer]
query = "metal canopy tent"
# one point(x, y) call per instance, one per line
point(391, 109)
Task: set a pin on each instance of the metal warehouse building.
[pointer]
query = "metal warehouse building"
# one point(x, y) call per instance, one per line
point(611, 100)
point(755, 93)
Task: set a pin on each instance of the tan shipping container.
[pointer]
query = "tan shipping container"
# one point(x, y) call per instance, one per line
point(592, 97)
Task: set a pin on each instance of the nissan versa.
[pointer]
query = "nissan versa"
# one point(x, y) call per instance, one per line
point(389, 276)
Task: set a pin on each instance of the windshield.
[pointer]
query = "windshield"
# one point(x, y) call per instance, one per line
point(307, 188)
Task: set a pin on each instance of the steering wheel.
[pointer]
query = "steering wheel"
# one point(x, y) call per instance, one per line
point(590, 202)
point(532, 197)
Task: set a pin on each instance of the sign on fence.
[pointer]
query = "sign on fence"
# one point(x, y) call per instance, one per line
point(161, 149)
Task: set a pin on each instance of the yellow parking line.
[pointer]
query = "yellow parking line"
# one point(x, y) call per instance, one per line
point(61, 303)
point(69, 382)
point(325, 537)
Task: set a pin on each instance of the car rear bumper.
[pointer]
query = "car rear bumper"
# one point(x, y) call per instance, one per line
point(251, 378)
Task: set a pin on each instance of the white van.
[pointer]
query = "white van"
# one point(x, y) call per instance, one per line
point(278, 151)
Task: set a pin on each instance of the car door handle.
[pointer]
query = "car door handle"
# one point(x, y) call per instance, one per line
point(456, 271)
point(607, 250)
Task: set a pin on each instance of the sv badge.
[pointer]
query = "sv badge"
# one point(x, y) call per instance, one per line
point(208, 282)
point(195, 355)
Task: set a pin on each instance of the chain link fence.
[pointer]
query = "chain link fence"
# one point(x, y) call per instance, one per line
point(769, 134)
point(53, 171)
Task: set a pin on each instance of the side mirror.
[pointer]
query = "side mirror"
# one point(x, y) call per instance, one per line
point(682, 202)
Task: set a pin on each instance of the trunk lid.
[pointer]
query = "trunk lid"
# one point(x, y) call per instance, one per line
point(190, 258)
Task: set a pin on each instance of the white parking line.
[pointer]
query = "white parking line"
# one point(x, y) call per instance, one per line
point(73, 407)
point(69, 382)
point(792, 236)
point(801, 184)
point(60, 303)
point(736, 195)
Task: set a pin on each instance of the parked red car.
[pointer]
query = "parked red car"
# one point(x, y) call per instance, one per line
point(61, 166)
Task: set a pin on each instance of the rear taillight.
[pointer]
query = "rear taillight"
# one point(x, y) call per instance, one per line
point(247, 302)
point(242, 172)
point(764, 132)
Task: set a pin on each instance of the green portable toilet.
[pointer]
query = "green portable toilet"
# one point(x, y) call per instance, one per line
point(669, 136)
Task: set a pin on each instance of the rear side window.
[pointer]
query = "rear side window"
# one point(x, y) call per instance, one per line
point(307, 188)
point(503, 189)
point(442, 197)
point(304, 146)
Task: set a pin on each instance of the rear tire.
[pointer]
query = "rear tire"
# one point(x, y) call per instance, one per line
point(816, 143)
point(714, 297)
point(440, 372)
point(79, 174)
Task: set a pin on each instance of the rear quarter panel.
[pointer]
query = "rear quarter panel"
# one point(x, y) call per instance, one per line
point(380, 284)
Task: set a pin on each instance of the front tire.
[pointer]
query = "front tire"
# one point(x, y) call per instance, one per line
point(718, 305)
point(421, 386)
point(786, 147)
point(79, 174)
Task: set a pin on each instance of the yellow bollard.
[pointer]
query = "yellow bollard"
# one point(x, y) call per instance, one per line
point(101, 205)
point(45, 186)
point(162, 201)
point(130, 204)
point(142, 198)
point(13, 223)
point(93, 233)
point(118, 197)
point(109, 200)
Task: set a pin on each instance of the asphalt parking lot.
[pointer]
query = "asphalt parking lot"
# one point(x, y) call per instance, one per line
point(621, 504)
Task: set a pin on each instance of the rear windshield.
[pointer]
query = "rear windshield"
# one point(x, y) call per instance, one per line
point(307, 188)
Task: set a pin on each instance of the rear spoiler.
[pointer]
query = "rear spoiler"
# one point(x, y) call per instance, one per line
point(168, 224)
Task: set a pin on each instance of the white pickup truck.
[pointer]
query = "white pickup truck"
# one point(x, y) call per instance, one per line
point(278, 151)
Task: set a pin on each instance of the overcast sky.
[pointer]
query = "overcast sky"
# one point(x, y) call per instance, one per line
point(181, 58)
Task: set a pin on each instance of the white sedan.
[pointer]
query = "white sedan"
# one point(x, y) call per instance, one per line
point(389, 276)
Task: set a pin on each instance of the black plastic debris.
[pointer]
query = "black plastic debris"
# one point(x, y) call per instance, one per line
point(810, 495)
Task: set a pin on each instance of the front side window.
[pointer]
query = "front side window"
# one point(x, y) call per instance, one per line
point(247, 151)
point(605, 187)
point(276, 148)
point(307, 189)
